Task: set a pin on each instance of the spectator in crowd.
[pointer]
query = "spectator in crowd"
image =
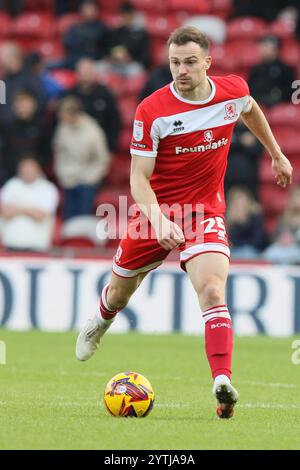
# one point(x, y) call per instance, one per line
point(66, 6)
point(297, 29)
point(98, 101)
point(120, 63)
point(88, 38)
point(285, 248)
point(132, 35)
point(26, 133)
point(158, 77)
point(270, 81)
point(266, 9)
point(17, 77)
point(35, 65)
point(13, 7)
point(28, 206)
point(245, 224)
point(243, 160)
point(297, 21)
point(81, 157)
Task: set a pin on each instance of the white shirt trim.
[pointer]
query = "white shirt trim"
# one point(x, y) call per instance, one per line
point(202, 248)
point(179, 97)
point(134, 272)
point(248, 106)
point(143, 153)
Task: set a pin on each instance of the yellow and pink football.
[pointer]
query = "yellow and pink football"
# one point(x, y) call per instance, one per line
point(129, 394)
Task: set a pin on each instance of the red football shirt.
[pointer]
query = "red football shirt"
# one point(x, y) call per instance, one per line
point(190, 141)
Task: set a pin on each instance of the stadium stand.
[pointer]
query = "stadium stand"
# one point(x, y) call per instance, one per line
point(37, 29)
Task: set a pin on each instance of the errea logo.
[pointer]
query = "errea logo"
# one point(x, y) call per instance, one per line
point(178, 126)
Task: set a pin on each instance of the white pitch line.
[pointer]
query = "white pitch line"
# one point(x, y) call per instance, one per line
point(74, 404)
point(244, 405)
point(268, 384)
point(177, 377)
point(172, 405)
point(246, 382)
point(46, 403)
point(83, 373)
point(269, 406)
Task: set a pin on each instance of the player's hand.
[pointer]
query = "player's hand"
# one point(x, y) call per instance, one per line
point(283, 170)
point(169, 235)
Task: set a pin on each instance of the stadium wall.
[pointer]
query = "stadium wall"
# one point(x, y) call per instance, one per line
point(58, 295)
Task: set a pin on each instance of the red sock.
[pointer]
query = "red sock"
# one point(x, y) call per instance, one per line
point(218, 340)
point(106, 314)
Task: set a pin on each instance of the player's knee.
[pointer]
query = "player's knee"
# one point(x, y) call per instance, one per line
point(117, 298)
point(211, 294)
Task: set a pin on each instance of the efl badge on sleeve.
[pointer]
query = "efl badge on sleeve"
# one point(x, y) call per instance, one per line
point(138, 130)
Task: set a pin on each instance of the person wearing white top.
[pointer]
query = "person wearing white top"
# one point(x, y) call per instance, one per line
point(28, 206)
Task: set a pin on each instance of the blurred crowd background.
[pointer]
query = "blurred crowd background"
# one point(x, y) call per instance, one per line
point(74, 72)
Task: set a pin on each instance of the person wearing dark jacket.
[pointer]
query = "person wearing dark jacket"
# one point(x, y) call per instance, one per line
point(132, 35)
point(243, 160)
point(266, 9)
point(13, 7)
point(61, 7)
point(245, 224)
point(16, 77)
point(88, 38)
point(97, 101)
point(26, 134)
point(159, 77)
point(37, 68)
point(270, 81)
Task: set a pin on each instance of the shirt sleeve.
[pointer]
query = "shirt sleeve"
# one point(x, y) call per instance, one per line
point(244, 92)
point(247, 104)
point(145, 136)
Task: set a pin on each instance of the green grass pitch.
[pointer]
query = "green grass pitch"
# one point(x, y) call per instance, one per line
point(49, 400)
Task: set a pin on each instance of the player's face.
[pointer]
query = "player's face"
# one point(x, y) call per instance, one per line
point(188, 65)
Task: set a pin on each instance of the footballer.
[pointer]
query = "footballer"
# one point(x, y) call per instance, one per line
point(180, 144)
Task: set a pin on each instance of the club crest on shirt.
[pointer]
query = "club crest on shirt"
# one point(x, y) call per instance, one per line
point(138, 130)
point(230, 111)
point(208, 136)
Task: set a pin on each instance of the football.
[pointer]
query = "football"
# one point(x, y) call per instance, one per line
point(129, 394)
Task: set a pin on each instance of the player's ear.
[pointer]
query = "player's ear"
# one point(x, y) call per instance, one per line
point(207, 62)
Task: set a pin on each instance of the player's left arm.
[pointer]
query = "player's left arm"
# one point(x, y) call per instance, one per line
point(257, 123)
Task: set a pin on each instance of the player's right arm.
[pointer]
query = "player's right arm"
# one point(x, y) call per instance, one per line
point(169, 234)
